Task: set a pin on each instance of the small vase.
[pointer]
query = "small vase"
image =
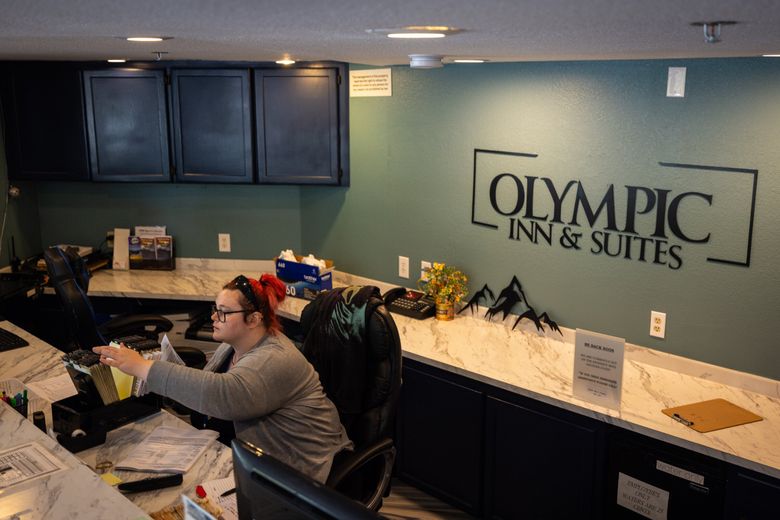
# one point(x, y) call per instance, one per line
point(445, 311)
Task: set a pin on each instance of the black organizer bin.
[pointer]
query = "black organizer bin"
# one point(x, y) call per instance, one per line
point(86, 412)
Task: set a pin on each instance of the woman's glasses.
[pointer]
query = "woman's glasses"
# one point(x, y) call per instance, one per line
point(222, 315)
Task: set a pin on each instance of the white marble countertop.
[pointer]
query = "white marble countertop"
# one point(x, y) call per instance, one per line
point(525, 362)
point(76, 492)
point(74, 496)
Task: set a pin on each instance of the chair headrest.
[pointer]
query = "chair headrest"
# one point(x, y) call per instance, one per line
point(65, 265)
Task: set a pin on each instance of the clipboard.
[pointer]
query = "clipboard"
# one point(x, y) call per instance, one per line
point(708, 416)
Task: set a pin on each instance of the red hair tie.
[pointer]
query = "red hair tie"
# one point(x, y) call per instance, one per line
point(257, 287)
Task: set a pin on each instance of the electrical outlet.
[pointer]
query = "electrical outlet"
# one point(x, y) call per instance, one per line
point(658, 324)
point(403, 266)
point(224, 242)
point(423, 266)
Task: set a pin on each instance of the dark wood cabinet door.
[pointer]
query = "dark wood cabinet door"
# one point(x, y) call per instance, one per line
point(127, 125)
point(751, 496)
point(297, 114)
point(44, 114)
point(440, 438)
point(541, 464)
point(212, 125)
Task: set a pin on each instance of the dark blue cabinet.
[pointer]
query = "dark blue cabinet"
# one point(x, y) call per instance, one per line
point(212, 125)
point(440, 438)
point(127, 125)
point(301, 132)
point(45, 133)
point(751, 496)
point(534, 456)
point(217, 122)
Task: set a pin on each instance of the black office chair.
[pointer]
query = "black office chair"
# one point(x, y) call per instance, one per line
point(70, 278)
point(353, 343)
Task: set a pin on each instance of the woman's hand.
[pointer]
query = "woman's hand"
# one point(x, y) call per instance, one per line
point(125, 359)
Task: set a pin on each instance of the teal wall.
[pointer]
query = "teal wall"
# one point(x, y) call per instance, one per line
point(261, 220)
point(601, 123)
point(411, 169)
point(22, 222)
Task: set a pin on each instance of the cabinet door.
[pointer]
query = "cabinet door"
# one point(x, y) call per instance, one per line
point(541, 465)
point(440, 438)
point(751, 496)
point(297, 126)
point(127, 125)
point(45, 136)
point(212, 125)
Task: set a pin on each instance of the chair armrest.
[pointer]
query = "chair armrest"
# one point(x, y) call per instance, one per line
point(135, 323)
point(383, 448)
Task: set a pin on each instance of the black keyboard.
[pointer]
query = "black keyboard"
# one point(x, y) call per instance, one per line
point(10, 341)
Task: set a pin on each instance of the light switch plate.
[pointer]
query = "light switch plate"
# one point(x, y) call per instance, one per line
point(224, 242)
point(675, 85)
point(403, 266)
point(423, 266)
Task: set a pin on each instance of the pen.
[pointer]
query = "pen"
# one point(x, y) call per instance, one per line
point(679, 418)
point(5, 468)
point(228, 492)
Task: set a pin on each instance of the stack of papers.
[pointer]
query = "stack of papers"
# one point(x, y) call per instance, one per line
point(169, 450)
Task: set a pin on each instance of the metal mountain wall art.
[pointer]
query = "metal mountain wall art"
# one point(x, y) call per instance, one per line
point(510, 296)
point(479, 295)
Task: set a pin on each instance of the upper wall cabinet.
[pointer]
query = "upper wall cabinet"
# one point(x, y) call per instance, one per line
point(212, 125)
point(44, 114)
point(127, 125)
point(301, 138)
point(213, 122)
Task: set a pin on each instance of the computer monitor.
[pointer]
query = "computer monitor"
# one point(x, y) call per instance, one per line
point(266, 488)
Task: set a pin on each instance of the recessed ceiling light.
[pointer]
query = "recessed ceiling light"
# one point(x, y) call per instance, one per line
point(416, 31)
point(116, 61)
point(285, 61)
point(469, 60)
point(771, 55)
point(413, 35)
point(148, 38)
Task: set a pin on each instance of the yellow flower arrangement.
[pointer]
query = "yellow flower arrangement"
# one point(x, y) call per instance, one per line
point(445, 283)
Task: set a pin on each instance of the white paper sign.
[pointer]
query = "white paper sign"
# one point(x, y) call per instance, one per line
point(642, 498)
point(679, 472)
point(371, 83)
point(598, 368)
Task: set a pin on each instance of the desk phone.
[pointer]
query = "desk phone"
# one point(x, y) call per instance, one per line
point(413, 304)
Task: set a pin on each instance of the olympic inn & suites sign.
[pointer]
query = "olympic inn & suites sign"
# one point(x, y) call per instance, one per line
point(703, 206)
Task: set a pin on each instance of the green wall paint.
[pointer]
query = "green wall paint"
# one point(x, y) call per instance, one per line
point(601, 123)
point(260, 219)
point(411, 162)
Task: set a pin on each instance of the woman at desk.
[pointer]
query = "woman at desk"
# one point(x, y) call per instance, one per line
point(257, 379)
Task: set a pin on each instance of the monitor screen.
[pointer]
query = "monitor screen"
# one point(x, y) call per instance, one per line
point(269, 489)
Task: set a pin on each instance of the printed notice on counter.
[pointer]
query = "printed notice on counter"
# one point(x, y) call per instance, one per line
point(598, 368)
point(642, 498)
point(371, 83)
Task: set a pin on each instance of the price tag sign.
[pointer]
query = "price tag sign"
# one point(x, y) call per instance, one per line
point(598, 368)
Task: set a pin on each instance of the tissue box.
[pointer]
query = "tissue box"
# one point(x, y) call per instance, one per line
point(303, 280)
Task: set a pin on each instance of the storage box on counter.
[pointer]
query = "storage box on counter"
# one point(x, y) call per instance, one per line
point(151, 252)
point(303, 280)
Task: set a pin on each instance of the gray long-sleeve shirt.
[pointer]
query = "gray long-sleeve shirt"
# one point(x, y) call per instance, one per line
point(273, 396)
